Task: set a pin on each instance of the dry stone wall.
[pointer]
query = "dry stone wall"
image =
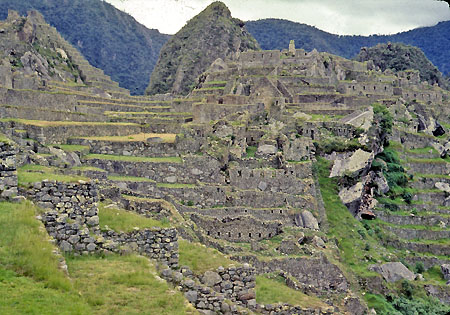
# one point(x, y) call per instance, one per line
point(73, 221)
point(8, 171)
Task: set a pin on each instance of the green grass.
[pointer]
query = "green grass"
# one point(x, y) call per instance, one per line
point(4, 139)
point(73, 147)
point(122, 220)
point(129, 179)
point(423, 151)
point(379, 303)
point(435, 274)
point(176, 185)
point(24, 247)
point(88, 168)
point(200, 258)
point(23, 295)
point(28, 174)
point(444, 176)
point(124, 285)
point(273, 291)
point(344, 227)
point(251, 150)
point(174, 159)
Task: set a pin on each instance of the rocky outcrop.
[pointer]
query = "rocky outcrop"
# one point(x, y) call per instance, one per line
point(393, 271)
point(355, 165)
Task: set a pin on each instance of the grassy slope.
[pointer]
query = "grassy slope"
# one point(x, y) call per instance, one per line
point(124, 285)
point(31, 282)
point(121, 220)
point(200, 258)
point(273, 291)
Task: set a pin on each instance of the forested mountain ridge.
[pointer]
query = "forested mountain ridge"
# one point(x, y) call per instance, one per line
point(275, 33)
point(109, 38)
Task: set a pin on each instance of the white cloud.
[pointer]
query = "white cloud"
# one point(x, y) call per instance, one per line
point(355, 17)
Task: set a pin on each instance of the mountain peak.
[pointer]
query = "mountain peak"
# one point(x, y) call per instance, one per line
point(218, 8)
point(212, 34)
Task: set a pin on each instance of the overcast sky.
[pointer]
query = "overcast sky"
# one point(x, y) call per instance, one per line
point(344, 17)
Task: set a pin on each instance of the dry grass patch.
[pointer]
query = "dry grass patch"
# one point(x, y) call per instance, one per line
point(140, 137)
point(43, 123)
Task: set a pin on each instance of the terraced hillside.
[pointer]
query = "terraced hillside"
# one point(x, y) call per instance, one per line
point(287, 182)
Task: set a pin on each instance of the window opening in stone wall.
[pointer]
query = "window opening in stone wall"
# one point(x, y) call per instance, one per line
point(250, 235)
point(239, 234)
point(208, 233)
point(229, 234)
point(270, 235)
point(218, 233)
point(259, 235)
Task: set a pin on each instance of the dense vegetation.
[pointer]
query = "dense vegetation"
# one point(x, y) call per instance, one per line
point(210, 35)
point(400, 57)
point(276, 34)
point(109, 39)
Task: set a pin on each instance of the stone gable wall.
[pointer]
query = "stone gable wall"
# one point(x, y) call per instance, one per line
point(8, 171)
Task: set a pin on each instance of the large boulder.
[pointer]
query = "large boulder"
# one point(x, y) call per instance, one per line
point(357, 164)
point(307, 220)
point(70, 158)
point(393, 271)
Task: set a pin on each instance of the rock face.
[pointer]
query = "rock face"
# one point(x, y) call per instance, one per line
point(446, 272)
point(357, 164)
point(394, 271)
point(210, 35)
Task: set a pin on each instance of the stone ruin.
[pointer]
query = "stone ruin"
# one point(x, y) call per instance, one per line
point(234, 161)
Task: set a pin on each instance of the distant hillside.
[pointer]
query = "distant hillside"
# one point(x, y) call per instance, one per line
point(110, 39)
point(276, 34)
point(210, 35)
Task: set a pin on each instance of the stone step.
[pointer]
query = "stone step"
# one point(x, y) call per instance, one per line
point(169, 170)
point(208, 91)
point(429, 220)
point(285, 216)
point(435, 196)
point(168, 121)
point(54, 132)
point(48, 114)
point(112, 107)
point(428, 261)
point(418, 234)
point(428, 166)
point(427, 207)
point(428, 181)
point(134, 145)
point(420, 247)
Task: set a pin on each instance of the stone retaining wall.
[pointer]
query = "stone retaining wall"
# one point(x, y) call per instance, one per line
point(316, 275)
point(73, 221)
point(240, 229)
point(191, 170)
point(8, 171)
